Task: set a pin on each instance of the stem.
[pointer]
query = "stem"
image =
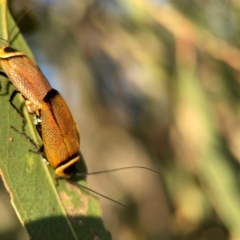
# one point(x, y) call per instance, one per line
point(4, 19)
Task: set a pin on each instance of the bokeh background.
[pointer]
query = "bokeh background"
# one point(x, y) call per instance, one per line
point(151, 83)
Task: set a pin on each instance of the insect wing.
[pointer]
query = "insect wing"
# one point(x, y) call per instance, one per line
point(59, 132)
point(26, 77)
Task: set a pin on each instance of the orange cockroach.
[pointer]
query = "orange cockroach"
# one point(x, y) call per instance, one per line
point(58, 128)
point(59, 131)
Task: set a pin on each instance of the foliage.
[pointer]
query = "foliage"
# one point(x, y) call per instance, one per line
point(153, 83)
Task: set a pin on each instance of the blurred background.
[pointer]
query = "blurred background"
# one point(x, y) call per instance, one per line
point(151, 83)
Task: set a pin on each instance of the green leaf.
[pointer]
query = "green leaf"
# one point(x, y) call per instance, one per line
point(46, 210)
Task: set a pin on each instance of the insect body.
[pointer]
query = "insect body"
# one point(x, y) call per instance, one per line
point(58, 129)
point(25, 76)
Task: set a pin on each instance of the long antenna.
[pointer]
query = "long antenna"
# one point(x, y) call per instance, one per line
point(90, 190)
point(114, 170)
point(4, 40)
point(20, 19)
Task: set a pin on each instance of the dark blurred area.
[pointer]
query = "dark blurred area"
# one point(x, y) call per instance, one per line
point(155, 84)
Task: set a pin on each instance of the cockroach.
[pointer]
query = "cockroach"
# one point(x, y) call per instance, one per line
point(55, 123)
point(60, 134)
point(59, 131)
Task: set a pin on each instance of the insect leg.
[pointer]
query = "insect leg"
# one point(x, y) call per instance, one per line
point(38, 150)
point(38, 124)
point(3, 74)
point(14, 93)
point(6, 85)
